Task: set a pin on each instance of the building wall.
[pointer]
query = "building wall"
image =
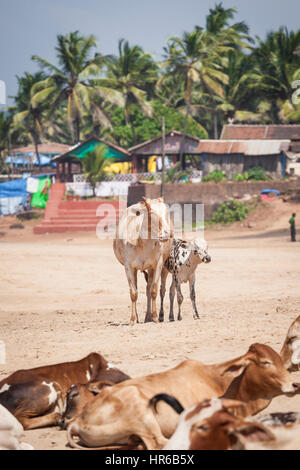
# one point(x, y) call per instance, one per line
point(233, 164)
point(209, 194)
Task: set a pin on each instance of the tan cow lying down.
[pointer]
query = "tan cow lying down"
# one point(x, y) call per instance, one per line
point(11, 432)
point(122, 411)
point(36, 397)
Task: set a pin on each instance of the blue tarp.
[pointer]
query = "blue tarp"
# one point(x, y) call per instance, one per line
point(12, 195)
point(267, 191)
point(15, 160)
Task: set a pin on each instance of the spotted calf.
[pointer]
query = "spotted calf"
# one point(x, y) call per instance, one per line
point(182, 264)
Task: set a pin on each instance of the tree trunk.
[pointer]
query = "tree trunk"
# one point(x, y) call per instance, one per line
point(36, 146)
point(216, 125)
point(181, 151)
point(134, 139)
point(77, 129)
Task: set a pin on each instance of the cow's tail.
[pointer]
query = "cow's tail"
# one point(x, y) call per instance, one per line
point(73, 430)
point(169, 399)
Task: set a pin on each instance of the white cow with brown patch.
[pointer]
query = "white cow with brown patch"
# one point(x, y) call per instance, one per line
point(143, 243)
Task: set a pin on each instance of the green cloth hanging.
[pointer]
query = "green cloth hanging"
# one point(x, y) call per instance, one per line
point(40, 198)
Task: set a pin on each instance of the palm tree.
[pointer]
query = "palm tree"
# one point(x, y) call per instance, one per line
point(94, 165)
point(277, 65)
point(196, 58)
point(72, 81)
point(5, 128)
point(133, 74)
point(27, 116)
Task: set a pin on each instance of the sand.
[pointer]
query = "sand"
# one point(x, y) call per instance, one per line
point(63, 296)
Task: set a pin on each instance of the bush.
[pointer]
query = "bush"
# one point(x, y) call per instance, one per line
point(175, 174)
point(230, 211)
point(240, 176)
point(257, 173)
point(215, 176)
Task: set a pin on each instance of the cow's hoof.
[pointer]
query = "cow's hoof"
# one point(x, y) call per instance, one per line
point(171, 319)
point(161, 319)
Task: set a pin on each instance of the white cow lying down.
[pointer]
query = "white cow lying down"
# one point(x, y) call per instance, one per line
point(11, 432)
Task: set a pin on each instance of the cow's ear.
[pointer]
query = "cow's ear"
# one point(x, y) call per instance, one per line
point(233, 405)
point(296, 352)
point(97, 387)
point(249, 432)
point(236, 368)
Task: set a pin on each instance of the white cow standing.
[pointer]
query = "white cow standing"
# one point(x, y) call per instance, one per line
point(182, 264)
point(143, 243)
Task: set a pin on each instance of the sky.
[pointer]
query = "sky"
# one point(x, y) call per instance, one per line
point(30, 27)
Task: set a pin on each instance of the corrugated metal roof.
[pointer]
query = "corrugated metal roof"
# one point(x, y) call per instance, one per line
point(245, 147)
point(49, 147)
point(268, 132)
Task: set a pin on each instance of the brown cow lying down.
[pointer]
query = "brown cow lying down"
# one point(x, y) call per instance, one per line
point(36, 397)
point(122, 411)
point(211, 425)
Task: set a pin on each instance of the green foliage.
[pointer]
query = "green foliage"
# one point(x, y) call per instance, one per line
point(257, 173)
point(240, 176)
point(175, 174)
point(230, 211)
point(148, 128)
point(94, 165)
point(209, 74)
point(217, 176)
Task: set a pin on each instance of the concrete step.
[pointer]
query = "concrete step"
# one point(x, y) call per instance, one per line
point(51, 228)
point(57, 221)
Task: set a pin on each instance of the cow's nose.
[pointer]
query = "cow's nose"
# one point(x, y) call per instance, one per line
point(296, 385)
point(207, 259)
point(62, 423)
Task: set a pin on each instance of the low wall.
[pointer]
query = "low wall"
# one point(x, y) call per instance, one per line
point(209, 194)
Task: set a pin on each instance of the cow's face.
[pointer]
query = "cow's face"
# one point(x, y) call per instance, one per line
point(266, 376)
point(214, 432)
point(77, 398)
point(290, 352)
point(199, 247)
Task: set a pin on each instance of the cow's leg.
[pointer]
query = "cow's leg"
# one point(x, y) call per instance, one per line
point(154, 288)
point(132, 282)
point(179, 297)
point(164, 275)
point(50, 419)
point(172, 295)
point(193, 297)
point(148, 317)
